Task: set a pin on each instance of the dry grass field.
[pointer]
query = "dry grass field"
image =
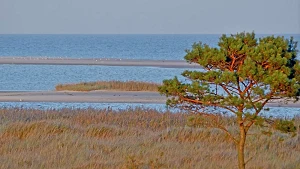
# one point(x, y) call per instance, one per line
point(109, 85)
point(132, 138)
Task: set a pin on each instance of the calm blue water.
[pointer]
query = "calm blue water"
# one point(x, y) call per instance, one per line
point(165, 47)
point(45, 77)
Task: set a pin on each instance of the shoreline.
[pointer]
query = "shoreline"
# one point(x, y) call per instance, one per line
point(95, 61)
point(102, 96)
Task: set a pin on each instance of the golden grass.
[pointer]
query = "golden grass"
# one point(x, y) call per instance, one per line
point(109, 85)
point(132, 138)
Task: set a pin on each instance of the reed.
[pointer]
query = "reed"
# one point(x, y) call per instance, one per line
point(131, 138)
point(109, 85)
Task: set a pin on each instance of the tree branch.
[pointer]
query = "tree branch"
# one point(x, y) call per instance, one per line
point(206, 103)
point(218, 125)
point(249, 86)
point(226, 89)
point(257, 112)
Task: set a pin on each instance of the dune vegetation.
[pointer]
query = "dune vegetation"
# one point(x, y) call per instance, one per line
point(109, 85)
point(132, 138)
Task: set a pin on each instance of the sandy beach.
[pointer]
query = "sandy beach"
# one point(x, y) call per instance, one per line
point(101, 96)
point(97, 61)
point(93, 96)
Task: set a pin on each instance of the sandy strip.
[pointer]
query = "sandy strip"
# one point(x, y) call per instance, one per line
point(92, 97)
point(97, 61)
point(101, 97)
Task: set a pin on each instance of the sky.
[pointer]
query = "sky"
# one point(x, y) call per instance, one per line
point(149, 16)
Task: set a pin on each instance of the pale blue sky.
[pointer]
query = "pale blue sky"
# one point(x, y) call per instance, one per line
point(149, 16)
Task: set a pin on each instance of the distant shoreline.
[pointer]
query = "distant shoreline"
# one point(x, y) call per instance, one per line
point(101, 96)
point(95, 61)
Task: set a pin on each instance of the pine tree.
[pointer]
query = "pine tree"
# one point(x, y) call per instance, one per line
point(240, 77)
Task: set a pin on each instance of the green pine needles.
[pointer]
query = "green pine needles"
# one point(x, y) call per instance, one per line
point(240, 76)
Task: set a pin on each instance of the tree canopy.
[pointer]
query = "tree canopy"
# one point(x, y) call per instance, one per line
point(239, 76)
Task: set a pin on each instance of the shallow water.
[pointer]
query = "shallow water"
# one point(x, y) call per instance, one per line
point(61, 105)
point(46, 77)
point(272, 111)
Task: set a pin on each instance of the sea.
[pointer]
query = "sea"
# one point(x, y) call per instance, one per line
point(45, 77)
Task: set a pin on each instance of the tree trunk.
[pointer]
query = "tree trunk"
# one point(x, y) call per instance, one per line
point(241, 147)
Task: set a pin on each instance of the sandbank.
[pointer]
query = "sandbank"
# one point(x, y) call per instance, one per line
point(96, 61)
point(102, 96)
point(92, 97)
